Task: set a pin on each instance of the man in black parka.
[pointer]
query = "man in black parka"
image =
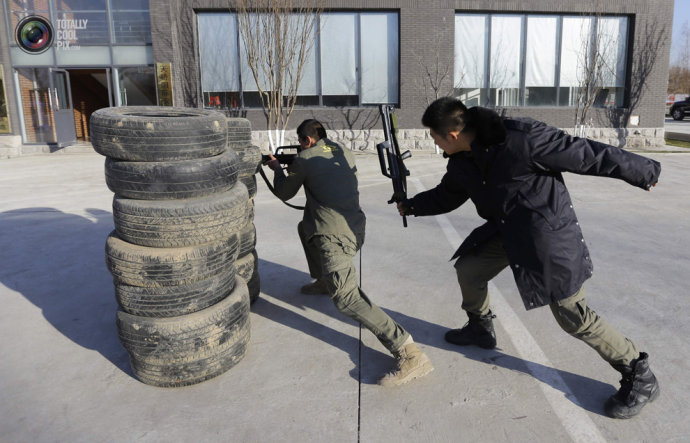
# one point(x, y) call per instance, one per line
point(512, 169)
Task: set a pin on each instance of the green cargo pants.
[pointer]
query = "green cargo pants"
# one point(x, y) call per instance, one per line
point(330, 257)
point(572, 314)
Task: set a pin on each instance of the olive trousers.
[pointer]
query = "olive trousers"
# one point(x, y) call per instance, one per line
point(572, 314)
point(330, 258)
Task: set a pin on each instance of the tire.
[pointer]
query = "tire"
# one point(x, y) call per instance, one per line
point(250, 210)
point(250, 183)
point(155, 267)
point(254, 287)
point(247, 266)
point(239, 132)
point(187, 222)
point(249, 160)
point(172, 180)
point(188, 349)
point(248, 269)
point(154, 133)
point(677, 114)
point(246, 240)
point(173, 301)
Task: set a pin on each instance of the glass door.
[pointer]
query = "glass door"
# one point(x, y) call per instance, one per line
point(63, 111)
point(36, 92)
point(47, 111)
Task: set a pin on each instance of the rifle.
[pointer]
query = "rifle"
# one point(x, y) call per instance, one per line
point(390, 150)
point(283, 159)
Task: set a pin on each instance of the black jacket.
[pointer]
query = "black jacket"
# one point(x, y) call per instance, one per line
point(513, 175)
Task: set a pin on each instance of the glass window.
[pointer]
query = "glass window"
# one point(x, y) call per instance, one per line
point(379, 34)
point(138, 5)
point(338, 59)
point(612, 32)
point(308, 88)
point(353, 60)
point(137, 86)
point(540, 61)
point(575, 41)
point(24, 5)
point(504, 82)
point(250, 83)
point(86, 22)
point(470, 58)
point(220, 63)
point(80, 5)
point(37, 113)
point(218, 60)
point(77, 28)
point(131, 21)
point(131, 27)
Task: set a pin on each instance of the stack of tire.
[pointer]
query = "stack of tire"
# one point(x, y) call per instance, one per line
point(178, 212)
point(240, 140)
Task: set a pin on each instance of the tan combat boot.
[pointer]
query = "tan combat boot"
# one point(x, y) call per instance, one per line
point(411, 363)
point(318, 287)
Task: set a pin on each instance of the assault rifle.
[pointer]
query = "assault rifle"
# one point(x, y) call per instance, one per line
point(389, 151)
point(284, 159)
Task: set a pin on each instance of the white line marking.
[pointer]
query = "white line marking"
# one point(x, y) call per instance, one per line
point(563, 402)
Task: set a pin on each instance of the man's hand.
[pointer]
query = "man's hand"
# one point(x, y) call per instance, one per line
point(405, 207)
point(272, 163)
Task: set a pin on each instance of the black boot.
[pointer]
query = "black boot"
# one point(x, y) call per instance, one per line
point(479, 330)
point(638, 386)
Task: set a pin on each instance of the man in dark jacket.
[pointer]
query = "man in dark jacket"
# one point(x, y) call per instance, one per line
point(332, 231)
point(512, 169)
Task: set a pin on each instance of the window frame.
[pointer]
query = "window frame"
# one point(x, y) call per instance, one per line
point(486, 97)
point(318, 100)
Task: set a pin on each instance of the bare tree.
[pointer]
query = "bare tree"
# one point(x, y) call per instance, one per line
point(593, 67)
point(645, 52)
point(435, 69)
point(277, 36)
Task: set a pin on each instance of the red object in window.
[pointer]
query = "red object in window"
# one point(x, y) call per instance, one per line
point(214, 100)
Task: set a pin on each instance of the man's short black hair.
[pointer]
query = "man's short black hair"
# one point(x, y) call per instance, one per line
point(311, 128)
point(445, 114)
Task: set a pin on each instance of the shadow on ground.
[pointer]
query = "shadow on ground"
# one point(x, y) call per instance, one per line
point(56, 260)
point(282, 282)
point(588, 393)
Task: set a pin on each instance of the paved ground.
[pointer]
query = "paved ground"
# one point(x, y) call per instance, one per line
point(307, 375)
point(671, 125)
point(677, 130)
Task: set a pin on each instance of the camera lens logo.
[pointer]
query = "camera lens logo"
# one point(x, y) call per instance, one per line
point(34, 34)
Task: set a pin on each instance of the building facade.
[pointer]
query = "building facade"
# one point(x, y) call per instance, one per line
point(552, 61)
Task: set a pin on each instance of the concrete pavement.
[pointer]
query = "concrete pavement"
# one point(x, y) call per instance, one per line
point(677, 130)
point(309, 373)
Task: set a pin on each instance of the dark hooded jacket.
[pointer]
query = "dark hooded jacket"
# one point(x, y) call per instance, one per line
point(513, 175)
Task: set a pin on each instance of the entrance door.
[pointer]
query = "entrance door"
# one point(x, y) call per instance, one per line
point(91, 90)
point(63, 112)
point(57, 103)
